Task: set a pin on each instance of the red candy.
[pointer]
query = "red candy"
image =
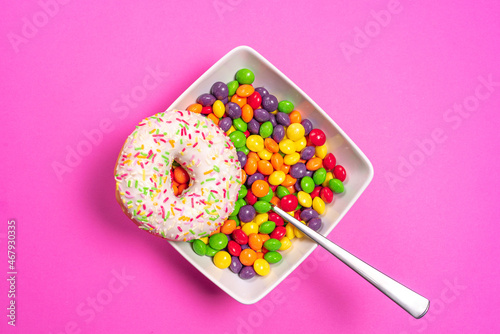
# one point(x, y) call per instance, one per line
point(329, 161)
point(254, 100)
point(274, 217)
point(278, 233)
point(317, 137)
point(251, 198)
point(234, 248)
point(247, 133)
point(296, 214)
point(240, 237)
point(315, 192)
point(289, 203)
point(206, 110)
point(326, 195)
point(339, 173)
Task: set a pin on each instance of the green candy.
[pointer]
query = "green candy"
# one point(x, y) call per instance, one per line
point(319, 176)
point(266, 129)
point(285, 106)
point(245, 77)
point(232, 87)
point(267, 227)
point(307, 184)
point(241, 202)
point(262, 206)
point(243, 192)
point(268, 197)
point(243, 149)
point(238, 138)
point(210, 251)
point(273, 257)
point(240, 125)
point(282, 192)
point(237, 208)
point(199, 247)
point(236, 219)
point(336, 186)
point(272, 245)
point(218, 241)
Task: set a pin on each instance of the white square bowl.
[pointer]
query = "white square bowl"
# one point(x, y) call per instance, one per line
point(357, 165)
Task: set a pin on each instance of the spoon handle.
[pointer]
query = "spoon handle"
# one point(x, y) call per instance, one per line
point(408, 299)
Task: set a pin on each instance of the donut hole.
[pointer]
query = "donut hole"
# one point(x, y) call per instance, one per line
point(180, 179)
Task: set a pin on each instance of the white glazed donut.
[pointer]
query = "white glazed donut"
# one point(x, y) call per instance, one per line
point(144, 184)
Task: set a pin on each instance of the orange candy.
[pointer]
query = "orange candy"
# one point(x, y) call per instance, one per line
point(314, 164)
point(260, 188)
point(228, 227)
point(295, 117)
point(253, 155)
point(277, 161)
point(180, 175)
point(241, 101)
point(243, 176)
point(214, 118)
point(260, 255)
point(285, 168)
point(176, 190)
point(275, 200)
point(271, 145)
point(246, 113)
point(289, 181)
point(251, 166)
point(182, 187)
point(264, 237)
point(265, 167)
point(195, 107)
point(245, 90)
point(248, 257)
point(255, 242)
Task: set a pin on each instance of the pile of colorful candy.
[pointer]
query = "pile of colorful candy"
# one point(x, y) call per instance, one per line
point(285, 163)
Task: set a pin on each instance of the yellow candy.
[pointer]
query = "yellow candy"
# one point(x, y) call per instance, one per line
point(261, 267)
point(255, 143)
point(295, 131)
point(222, 259)
point(329, 176)
point(205, 240)
point(321, 151)
point(285, 243)
point(277, 178)
point(218, 108)
point(304, 199)
point(318, 205)
point(250, 228)
point(300, 144)
point(291, 159)
point(289, 231)
point(297, 232)
point(231, 130)
point(261, 218)
point(287, 146)
point(264, 154)
point(274, 112)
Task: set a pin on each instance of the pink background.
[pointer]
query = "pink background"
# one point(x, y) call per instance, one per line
point(435, 227)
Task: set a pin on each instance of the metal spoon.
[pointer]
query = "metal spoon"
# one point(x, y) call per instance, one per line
point(408, 299)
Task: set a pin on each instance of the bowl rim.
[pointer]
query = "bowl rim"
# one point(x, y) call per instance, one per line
point(356, 149)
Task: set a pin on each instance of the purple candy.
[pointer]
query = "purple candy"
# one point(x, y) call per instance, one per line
point(253, 127)
point(225, 123)
point(298, 170)
point(308, 214)
point(220, 90)
point(297, 186)
point(233, 110)
point(235, 265)
point(245, 246)
point(307, 153)
point(269, 102)
point(272, 119)
point(262, 91)
point(315, 223)
point(278, 133)
point(309, 173)
point(247, 272)
point(308, 126)
point(247, 213)
point(254, 177)
point(206, 100)
point(283, 118)
point(261, 115)
point(224, 100)
point(242, 157)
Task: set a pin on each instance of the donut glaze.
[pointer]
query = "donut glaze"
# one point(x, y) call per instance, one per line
point(144, 184)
